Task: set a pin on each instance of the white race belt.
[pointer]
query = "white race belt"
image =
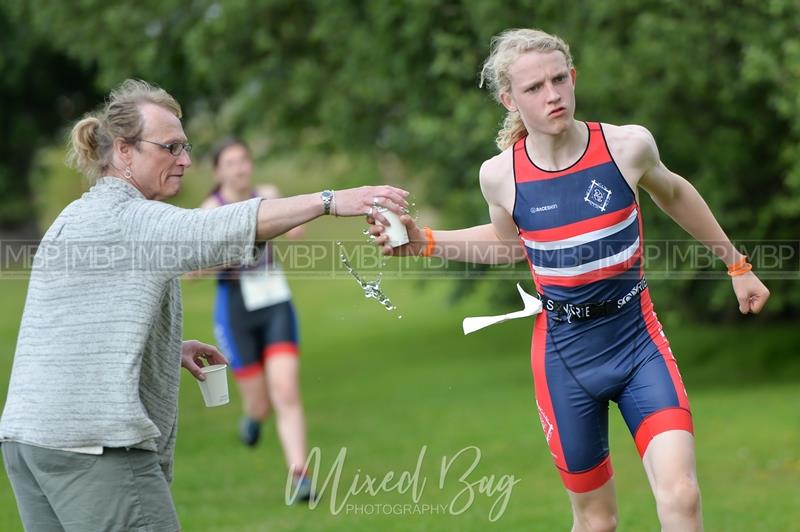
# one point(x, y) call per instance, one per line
point(264, 288)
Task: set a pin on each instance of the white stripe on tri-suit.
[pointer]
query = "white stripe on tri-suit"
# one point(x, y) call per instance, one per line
point(585, 238)
point(613, 260)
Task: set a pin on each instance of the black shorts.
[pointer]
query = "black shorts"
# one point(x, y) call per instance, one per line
point(248, 338)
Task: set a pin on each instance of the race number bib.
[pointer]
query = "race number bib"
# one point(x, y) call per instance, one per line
point(264, 288)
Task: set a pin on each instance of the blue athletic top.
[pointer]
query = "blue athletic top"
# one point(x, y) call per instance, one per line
point(580, 226)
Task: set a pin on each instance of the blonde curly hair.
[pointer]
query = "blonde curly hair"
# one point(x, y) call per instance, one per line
point(504, 50)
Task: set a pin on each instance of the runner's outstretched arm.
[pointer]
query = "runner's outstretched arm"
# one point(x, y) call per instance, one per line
point(684, 204)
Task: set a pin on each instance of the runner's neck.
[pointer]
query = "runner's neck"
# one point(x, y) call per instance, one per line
point(556, 152)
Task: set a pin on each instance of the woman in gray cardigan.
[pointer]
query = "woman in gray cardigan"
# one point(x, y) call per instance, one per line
point(88, 427)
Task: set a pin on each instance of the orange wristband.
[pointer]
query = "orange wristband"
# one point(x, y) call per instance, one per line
point(428, 251)
point(740, 267)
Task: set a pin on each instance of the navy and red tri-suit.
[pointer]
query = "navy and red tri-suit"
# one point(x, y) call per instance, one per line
point(581, 228)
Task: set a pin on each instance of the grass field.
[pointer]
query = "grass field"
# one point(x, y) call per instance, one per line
point(384, 389)
point(392, 392)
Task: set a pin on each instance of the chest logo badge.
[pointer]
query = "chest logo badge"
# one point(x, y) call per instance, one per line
point(597, 195)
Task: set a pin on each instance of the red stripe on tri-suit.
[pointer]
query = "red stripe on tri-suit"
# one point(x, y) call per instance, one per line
point(588, 480)
point(251, 370)
point(543, 402)
point(661, 421)
point(590, 277)
point(289, 348)
point(596, 154)
point(578, 228)
point(641, 243)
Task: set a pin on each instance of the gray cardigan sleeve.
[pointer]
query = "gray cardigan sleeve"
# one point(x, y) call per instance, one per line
point(172, 240)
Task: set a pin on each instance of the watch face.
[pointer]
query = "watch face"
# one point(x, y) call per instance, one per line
point(327, 199)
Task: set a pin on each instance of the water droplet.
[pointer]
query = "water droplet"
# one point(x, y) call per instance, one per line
point(372, 289)
point(400, 317)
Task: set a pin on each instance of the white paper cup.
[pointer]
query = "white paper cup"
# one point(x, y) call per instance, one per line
point(396, 231)
point(215, 387)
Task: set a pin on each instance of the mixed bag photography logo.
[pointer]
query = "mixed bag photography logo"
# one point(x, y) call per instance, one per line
point(454, 484)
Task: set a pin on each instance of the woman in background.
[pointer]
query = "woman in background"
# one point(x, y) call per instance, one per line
point(256, 325)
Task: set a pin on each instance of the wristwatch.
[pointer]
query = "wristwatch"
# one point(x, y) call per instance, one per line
point(327, 199)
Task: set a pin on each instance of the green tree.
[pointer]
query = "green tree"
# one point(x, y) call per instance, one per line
point(40, 89)
point(716, 83)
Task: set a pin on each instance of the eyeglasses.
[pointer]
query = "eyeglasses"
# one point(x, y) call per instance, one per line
point(175, 149)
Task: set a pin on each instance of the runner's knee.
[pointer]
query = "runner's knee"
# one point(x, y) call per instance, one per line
point(680, 496)
point(597, 513)
point(595, 521)
point(258, 409)
point(285, 395)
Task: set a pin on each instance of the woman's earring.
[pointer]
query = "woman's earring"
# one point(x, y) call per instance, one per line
point(128, 173)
